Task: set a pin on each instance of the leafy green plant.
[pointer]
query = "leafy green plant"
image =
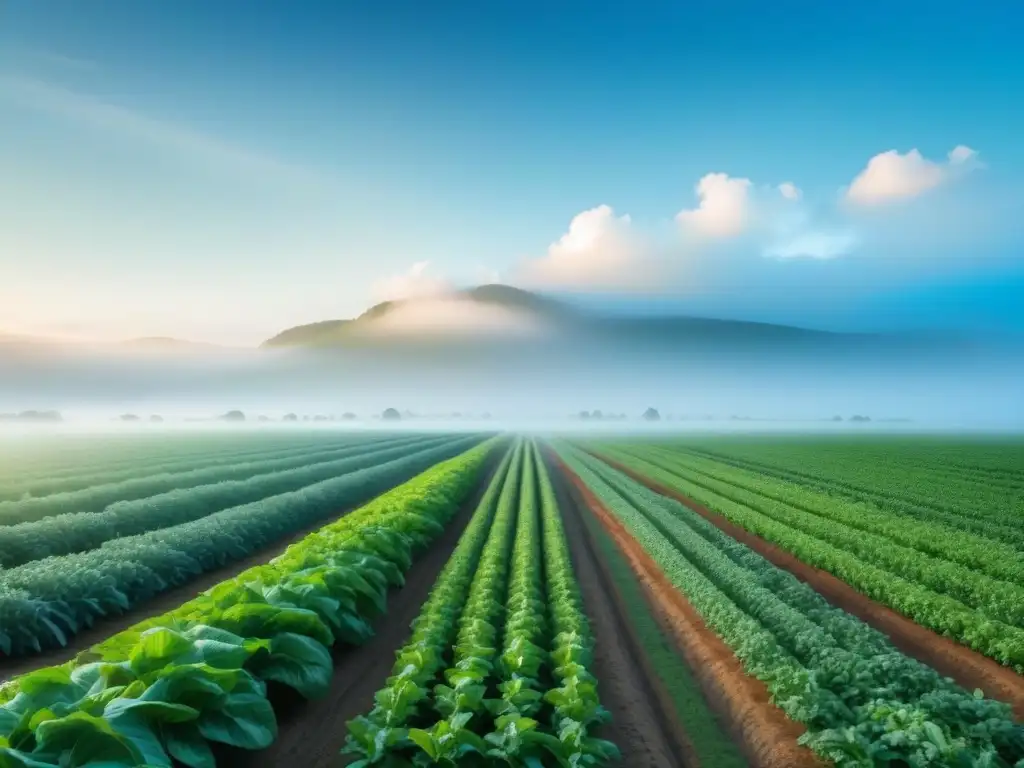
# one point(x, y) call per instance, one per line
point(509, 692)
point(40, 517)
point(169, 686)
point(823, 667)
point(919, 586)
point(380, 735)
point(45, 602)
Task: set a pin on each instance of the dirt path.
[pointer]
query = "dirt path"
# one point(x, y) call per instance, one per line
point(968, 668)
point(767, 737)
point(312, 733)
point(644, 724)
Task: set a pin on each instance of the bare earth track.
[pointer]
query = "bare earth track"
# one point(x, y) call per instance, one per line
point(967, 667)
point(767, 737)
point(643, 725)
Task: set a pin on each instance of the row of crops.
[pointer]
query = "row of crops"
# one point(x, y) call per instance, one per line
point(498, 667)
point(928, 503)
point(862, 701)
point(166, 690)
point(41, 465)
point(199, 494)
point(981, 481)
point(101, 493)
point(134, 551)
point(951, 580)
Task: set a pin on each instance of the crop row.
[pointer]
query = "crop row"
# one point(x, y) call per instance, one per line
point(168, 688)
point(88, 474)
point(83, 531)
point(902, 578)
point(45, 602)
point(979, 525)
point(979, 572)
point(98, 497)
point(67, 455)
point(890, 477)
point(505, 631)
point(861, 700)
point(894, 459)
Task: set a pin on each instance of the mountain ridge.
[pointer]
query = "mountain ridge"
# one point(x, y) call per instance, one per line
point(556, 314)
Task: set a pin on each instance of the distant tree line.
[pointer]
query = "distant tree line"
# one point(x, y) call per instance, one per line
point(38, 417)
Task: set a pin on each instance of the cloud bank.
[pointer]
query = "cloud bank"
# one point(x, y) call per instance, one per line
point(724, 209)
point(890, 177)
point(604, 250)
point(600, 250)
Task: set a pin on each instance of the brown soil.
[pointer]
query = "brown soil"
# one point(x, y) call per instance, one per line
point(312, 733)
point(644, 725)
point(768, 738)
point(968, 668)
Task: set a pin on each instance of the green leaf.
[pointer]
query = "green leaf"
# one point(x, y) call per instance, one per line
point(263, 620)
point(156, 649)
point(297, 661)
point(152, 711)
point(13, 758)
point(424, 740)
point(186, 745)
point(143, 737)
point(43, 680)
point(86, 738)
point(245, 720)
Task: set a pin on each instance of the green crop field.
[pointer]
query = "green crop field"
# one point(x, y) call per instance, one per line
point(399, 599)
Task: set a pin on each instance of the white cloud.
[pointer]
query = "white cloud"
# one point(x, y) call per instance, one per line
point(416, 283)
point(890, 176)
point(961, 154)
point(790, 191)
point(735, 216)
point(724, 209)
point(600, 250)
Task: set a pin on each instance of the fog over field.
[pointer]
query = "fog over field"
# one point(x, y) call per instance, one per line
point(435, 358)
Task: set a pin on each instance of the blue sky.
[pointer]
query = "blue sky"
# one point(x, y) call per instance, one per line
point(224, 170)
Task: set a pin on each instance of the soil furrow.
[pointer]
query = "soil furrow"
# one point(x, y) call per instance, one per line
point(643, 724)
point(968, 668)
point(767, 737)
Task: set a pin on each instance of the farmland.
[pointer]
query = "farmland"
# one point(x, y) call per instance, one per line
point(473, 599)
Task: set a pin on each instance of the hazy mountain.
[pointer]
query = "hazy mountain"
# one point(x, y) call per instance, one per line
point(438, 315)
point(508, 351)
point(501, 311)
point(500, 323)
